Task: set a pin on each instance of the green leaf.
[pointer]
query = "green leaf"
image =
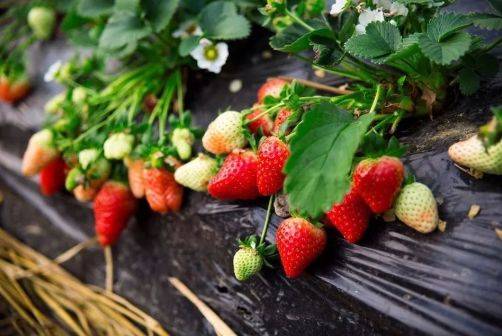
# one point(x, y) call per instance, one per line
point(497, 5)
point(468, 81)
point(487, 21)
point(219, 20)
point(446, 51)
point(188, 44)
point(380, 40)
point(159, 12)
point(72, 21)
point(445, 25)
point(296, 38)
point(122, 29)
point(94, 8)
point(322, 153)
point(407, 49)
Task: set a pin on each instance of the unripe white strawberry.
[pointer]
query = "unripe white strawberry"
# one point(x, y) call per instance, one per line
point(39, 153)
point(416, 207)
point(197, 173)
point(183, 140)
point(79, 95)
point(224, 134)
point(118, 146)
point(41, 20)
point(53, 106)
point(472, 153)
point(87, 156)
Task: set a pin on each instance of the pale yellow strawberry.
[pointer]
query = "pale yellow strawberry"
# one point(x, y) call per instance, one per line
point(224, 134)
point(39, 153)
point(472, 154)
point(197, 173)
point(416, 207)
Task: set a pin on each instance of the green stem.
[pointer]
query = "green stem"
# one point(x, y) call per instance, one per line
point(267, 220)
point(180, 93)
point(377, 97)
point(267, 111)
point(299, 20)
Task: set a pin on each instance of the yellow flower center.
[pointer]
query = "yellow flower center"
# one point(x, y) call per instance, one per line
point(210, 52)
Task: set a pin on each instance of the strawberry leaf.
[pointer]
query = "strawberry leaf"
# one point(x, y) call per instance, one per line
point(219, 20)
point(380, 40)
point(322, 153)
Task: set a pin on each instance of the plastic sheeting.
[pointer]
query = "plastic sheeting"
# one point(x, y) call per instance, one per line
point(396, 281)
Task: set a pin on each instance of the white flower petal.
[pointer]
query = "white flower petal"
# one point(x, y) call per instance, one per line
point(339, 6)
point(52, 71)
point(366, 17)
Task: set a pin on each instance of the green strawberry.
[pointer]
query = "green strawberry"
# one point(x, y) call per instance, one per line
point(197, 173)
point(416, 207)
point(41, 20)
point(183, 140)
point(473, 154)
point(224, 134)
point(247, 262)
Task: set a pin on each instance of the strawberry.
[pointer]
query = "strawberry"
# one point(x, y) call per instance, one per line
point(118, 146)
point(197, 173)
point(272, 87)
point(12, 91)
point(263, 123)
point(350, 217)
point(135, 177)
point(280, 119)
point(84, 193)
point(378, 181)
point(272, 156)
point(113, 207)
point(247, 262)
point(472, 153)
point(41, 21)
point(182, 140)
point(39, 153)
point(52, 177)
point(299, 243)
point(416, 207)
point(224, 134)
point(162, 192)
point(236, 178)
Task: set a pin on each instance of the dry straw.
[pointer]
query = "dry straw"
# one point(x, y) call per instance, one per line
point(44, 299)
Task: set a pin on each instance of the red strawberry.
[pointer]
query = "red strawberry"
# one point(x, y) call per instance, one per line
point(299, 243)
point(162, 192)
point(135, 175)
point(350, 217)
point(264, 122)
point(10, 91)
point(113, 207)
point(272, 156)
point(53, 176)
point(379, 181)
point(272, 87)
point(280, 119)
point(236, 178)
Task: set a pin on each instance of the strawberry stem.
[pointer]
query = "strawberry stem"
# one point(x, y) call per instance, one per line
point(267, 220)
point(377, 97)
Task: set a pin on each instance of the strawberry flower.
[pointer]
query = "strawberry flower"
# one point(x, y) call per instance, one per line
point(210, 56)
point(366, 17)
point(52, 72)
point(339, 6)
point(392, 8)
point(187, 29)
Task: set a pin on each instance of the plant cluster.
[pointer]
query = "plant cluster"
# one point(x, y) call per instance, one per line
point(322, 160)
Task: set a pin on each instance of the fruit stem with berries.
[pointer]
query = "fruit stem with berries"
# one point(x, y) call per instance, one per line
point(267, 219)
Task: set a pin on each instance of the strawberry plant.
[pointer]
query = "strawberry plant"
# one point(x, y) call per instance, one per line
point(414, 48)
